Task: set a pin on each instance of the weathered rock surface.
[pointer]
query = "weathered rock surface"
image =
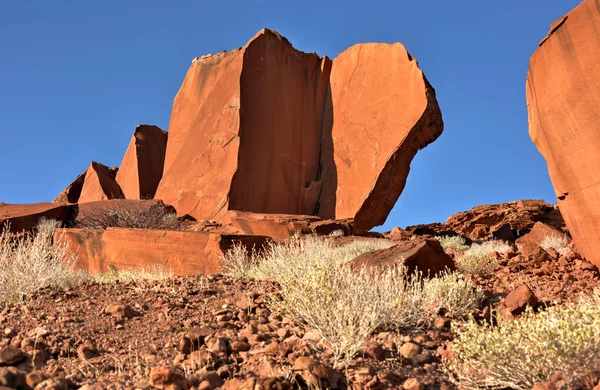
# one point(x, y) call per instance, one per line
point(72, 193)
point(482, 222)
point(183, 252)
point(245, 131)
point(100, 184)
point(426, 255)
point(26, 216)
point(539, 232)
point(563, 96)
point(380, 113)
point(143, 163)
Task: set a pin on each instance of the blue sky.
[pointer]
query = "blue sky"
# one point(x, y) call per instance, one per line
point(76, 77)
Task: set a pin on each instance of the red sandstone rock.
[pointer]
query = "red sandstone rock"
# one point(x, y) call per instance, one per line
point(72, 192)
point(142, 166)
point(483, 221)
point(516, 302)
point(245, 132)
point(26, 216)
point(380, 112)
point(563, 94)
point(183, 252)
point(539, 232)
point(426, 255)
point(99, 184)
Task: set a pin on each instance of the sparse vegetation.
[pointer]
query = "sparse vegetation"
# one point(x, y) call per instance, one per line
point(30, 262)
point(477, 259)
point(128, 215)
point(152, 273)
point(556, 242)
point(345, 306)
point(455, 242)
point(561, 341)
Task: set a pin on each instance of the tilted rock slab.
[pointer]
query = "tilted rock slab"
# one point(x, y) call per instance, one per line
point(245, 131)
point(563, 98)
point(143, 163)
point(72, 193)
point(21, 217)
point(100, 184)
point(182, 252)
point(380, 113)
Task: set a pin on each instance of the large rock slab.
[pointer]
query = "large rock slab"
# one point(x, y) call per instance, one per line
point(143, 163)
point(539, 232)
point(563, 96)
point(183, 252)
point(245, 132)
point(100, 184)
point(26, 216)
point(380, 113)
point(72, 193)
point(424, 255)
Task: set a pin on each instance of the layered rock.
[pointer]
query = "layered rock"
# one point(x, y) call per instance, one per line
point(143, 163)
point(21, 217)
point(245, 132)
point(563, 96)
point(380, 113)
point(100, 184)
point(182, 252)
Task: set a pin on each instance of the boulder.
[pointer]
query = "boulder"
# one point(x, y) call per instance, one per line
point(539, 232)
point(183, 252)
point(26, 216)
point(100, 184)
point(426, 255)
point(143, 163)
point(245, 132)
point(485, 221)
point(72, 193)
point(380, 112)
point(563, 89)
point(517, 300)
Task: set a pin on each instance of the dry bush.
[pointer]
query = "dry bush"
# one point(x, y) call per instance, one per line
point(320, 291)
point(128, 215)
point(152, 273)
point(562, 340)
point(29, 263)
point(556, 242)
point(477, 259)
point(455, 242)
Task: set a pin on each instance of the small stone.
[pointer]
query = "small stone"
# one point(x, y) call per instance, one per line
point(240, 346)
point(409, 350)
point(162, 377)
point(11, 355)
point(543, 386)
point(34, 378)
point(517, 300)
point(441, 323)
point(120, 311)
point(12, 377)
point(413, 384)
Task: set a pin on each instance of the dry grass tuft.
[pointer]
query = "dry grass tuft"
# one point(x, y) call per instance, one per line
point(455, 242)
point(477, 259)
point(556, 242)
point(29, 263)
point(562, 340)
point(152, 273)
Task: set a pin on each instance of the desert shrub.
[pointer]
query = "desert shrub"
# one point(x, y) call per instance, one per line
point(152, 273)
point(319, 290)
point(31, 262)
point(455, 242)
point(556, 242)
point(128, 215)
point(477, 259)
point(562, 340)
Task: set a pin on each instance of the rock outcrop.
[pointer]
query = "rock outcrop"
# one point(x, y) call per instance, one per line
point(72, 193)
point(100, 184)
point(142, 166)
point(563, 96)
point(381, 111)
point(21, 217)
point(245, 131)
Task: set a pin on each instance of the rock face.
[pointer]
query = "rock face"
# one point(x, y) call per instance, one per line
point(245, 131)
point(142, 166)
point(426, 255)
point(539, 232)
point(100, 184)
point(183, 252)
point(26, 216)
point(72, 193)
point(487, 221)
point(563, 96)
point(380, 112)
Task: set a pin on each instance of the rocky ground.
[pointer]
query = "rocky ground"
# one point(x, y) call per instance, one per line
point(217, 331)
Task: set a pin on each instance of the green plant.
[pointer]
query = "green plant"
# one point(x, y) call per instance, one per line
point(515, 354)
point(455, 242)
point(477, 259)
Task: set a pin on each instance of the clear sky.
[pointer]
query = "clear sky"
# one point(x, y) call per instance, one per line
point(76, 77)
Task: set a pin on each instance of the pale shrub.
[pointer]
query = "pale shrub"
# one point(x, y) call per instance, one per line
point(319, 290)
point(556, 242)
point(477, 259)
point(29, 263)
point(128, 215)
point(517, 353)
point(455, 242)
point(151, 273)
